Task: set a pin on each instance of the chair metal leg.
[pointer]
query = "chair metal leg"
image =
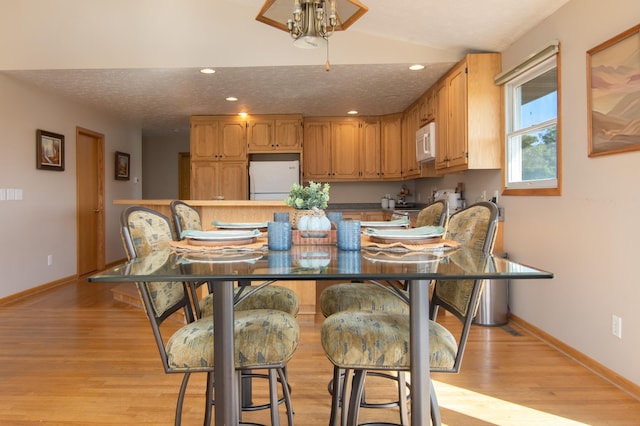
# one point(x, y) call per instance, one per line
point(336, 390)
point(436, 420)
point(240, 390)
point(183, 388)
point(356, 395)
point(402, 398)
point(273, 397)
point(282, 373)
point(209, 399)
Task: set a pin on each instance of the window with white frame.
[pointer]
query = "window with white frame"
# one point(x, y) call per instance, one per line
point(531, 124)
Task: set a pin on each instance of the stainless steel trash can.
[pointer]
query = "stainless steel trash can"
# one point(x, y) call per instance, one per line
point(494, 302)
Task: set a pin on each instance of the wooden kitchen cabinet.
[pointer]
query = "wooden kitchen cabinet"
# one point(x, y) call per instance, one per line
point(391, 147)
point(211, 180)
point(268, 133)
point(426, 108)
point(331, 150)
point(218, 138)
point(345, 150)
point(468, 115)
point(317, 150)
point(410, 124)
point(218, 158)
point(442, 120)
point(370, 162)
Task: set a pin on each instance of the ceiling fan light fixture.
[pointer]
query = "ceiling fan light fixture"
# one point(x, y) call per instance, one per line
point(313, 21)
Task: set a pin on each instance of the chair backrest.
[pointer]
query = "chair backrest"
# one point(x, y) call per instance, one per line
point(435, 214)
point(474, 227)
point(184, 217)
point(146, 232)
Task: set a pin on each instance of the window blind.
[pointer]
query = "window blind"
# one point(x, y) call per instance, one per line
point(533, 60)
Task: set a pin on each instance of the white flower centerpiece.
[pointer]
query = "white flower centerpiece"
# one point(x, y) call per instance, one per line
point(309, 203)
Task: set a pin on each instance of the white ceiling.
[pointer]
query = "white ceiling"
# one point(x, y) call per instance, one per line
point(377, 82)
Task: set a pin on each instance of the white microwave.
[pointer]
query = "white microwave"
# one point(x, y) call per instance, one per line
point(426, 143)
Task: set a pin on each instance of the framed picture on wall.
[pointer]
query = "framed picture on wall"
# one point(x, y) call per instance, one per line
point(49, 151)
point(122, 165)
point(613, 94)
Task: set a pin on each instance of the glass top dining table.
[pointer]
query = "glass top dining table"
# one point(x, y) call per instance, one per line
point(222, 270)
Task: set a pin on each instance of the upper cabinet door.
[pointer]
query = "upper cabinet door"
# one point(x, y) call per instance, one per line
point(233, 145)
point(370, 149)
point(391, 146)
point(269, 133)
point(457, 136)
point(288, 134)
point(317, 150)
point(345, 150)
point(204, 137)
point(260, 135)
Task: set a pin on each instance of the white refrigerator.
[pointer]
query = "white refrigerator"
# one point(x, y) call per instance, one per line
point(272, 180)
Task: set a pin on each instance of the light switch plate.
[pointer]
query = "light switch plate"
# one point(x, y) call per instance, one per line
point(3, 194)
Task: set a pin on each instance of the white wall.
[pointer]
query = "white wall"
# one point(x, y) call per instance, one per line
point(44, 222)
point(588, 236)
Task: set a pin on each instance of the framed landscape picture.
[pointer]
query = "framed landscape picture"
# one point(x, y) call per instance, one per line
point(613, 80)
point(122, 165)
point(49, 151)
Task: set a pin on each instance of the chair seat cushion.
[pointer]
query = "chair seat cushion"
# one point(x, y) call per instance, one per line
point(263, 337)
point(270, 297)
point(380, 341)
point(360, 297)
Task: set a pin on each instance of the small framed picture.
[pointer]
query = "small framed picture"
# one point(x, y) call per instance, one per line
point(122, 165)
point(49, 151)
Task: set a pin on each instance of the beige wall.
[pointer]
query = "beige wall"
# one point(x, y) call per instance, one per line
point(44, 222)
point(588, 236)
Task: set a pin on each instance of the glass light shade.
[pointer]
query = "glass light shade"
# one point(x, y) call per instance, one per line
point(309, 42)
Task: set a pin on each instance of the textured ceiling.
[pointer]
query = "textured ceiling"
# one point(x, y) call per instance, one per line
point(162, 99)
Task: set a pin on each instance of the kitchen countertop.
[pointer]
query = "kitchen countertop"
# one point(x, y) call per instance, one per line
point(369, 207)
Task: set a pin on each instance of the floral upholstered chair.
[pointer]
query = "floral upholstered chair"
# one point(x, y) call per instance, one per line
point(379, 340)
point(265, 339)
point(369, 296)
point(184, 217)
point(435, 214)
point(268, 297)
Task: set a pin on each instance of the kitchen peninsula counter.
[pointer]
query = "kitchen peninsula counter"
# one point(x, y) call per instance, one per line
point(221, 210)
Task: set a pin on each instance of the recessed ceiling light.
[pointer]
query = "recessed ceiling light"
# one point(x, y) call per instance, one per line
point(352, 112)
point(231, 99)
point(207, 71)
point(416, 67)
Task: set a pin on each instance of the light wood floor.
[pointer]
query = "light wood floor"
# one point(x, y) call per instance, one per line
point(73, 356)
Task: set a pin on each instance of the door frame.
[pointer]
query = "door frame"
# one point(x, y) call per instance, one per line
point(184, 174)
point(100, 231)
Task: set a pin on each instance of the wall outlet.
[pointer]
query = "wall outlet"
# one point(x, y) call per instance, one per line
point(616, 326)
point(50, 260)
